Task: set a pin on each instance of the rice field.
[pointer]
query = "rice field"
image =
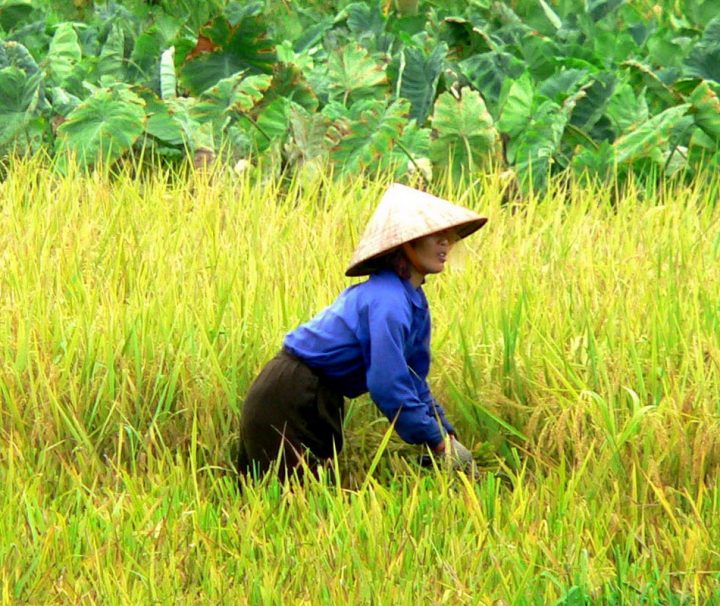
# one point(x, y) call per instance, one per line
point(576, 349)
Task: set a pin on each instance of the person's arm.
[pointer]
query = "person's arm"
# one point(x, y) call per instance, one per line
point(390, 380)
point(433, 405)
point(419, 363)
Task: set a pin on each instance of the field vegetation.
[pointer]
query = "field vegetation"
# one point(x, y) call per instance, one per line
point(575, 347)
point(181, 183)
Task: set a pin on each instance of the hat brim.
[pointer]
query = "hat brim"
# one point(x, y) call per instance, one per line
point(374, 263)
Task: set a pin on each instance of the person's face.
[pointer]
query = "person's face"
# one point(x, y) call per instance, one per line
point(432, 250)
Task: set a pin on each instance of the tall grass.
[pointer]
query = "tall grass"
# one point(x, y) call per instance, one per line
point(576, 349)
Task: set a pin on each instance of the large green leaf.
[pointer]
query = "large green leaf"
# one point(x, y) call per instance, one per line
point(63, 102)
point(164, 127)
point(288, 82)
point(642, 75)
point(15, 54)
point(228, 50)
point(488, 71)
point(534, 149)
point(174, 123)
point(163, 124)
point(599, 9)
point(706, 110)
point(563, 83)
point(540, 54)
point(411, 152)
point(517, 106)
point(627, 110)
point(594, 163)
point(354, 74)
point(13, 13)
point(307, 135)
point(466, 38)
point(111, 61)
point(648, 139)
point(313, 32)
point(64, 54)
point(365, 19)
point(272, 124)
point(418, 77)
point(238, 93)
point(236, 12)
point(704, 60)
point(591, 107)
point(465, 135)
point(551, 15)
point(104, 126)
point(18, 97)
point(362, 134)
point(144, 64)
point(665, 52)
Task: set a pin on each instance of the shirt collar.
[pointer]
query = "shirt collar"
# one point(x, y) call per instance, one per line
point(415, 295)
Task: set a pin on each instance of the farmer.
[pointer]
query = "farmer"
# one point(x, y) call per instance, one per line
point(374, 338)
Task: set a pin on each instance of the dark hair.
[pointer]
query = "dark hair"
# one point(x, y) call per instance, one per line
point(397, 261)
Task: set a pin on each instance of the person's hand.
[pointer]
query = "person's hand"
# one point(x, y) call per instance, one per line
point(453, 453)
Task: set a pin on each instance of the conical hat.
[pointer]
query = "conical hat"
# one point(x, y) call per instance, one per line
point(405, 214)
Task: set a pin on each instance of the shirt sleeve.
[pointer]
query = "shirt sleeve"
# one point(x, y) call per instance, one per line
point(419, 363)
point(390, 380)
point(434, 406)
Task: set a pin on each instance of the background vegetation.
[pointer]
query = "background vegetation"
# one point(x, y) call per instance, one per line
point(597, 88)
point(575, 341)
point(576, 350)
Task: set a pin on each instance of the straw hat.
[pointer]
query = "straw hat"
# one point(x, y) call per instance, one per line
point(405, 214)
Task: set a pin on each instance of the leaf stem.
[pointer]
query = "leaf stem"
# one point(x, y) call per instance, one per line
point(406, 151)
point(264, 134)
point(582, 134)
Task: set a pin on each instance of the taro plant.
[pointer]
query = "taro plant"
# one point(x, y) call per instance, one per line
point(602, 88)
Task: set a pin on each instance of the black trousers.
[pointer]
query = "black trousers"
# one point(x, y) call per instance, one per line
point(291, 414)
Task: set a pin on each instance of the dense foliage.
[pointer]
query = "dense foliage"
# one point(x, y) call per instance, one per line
point(598, 87)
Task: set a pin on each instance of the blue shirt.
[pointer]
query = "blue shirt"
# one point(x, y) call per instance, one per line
point(376, 337)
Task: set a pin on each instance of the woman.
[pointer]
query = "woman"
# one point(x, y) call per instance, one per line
point(374, 338)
